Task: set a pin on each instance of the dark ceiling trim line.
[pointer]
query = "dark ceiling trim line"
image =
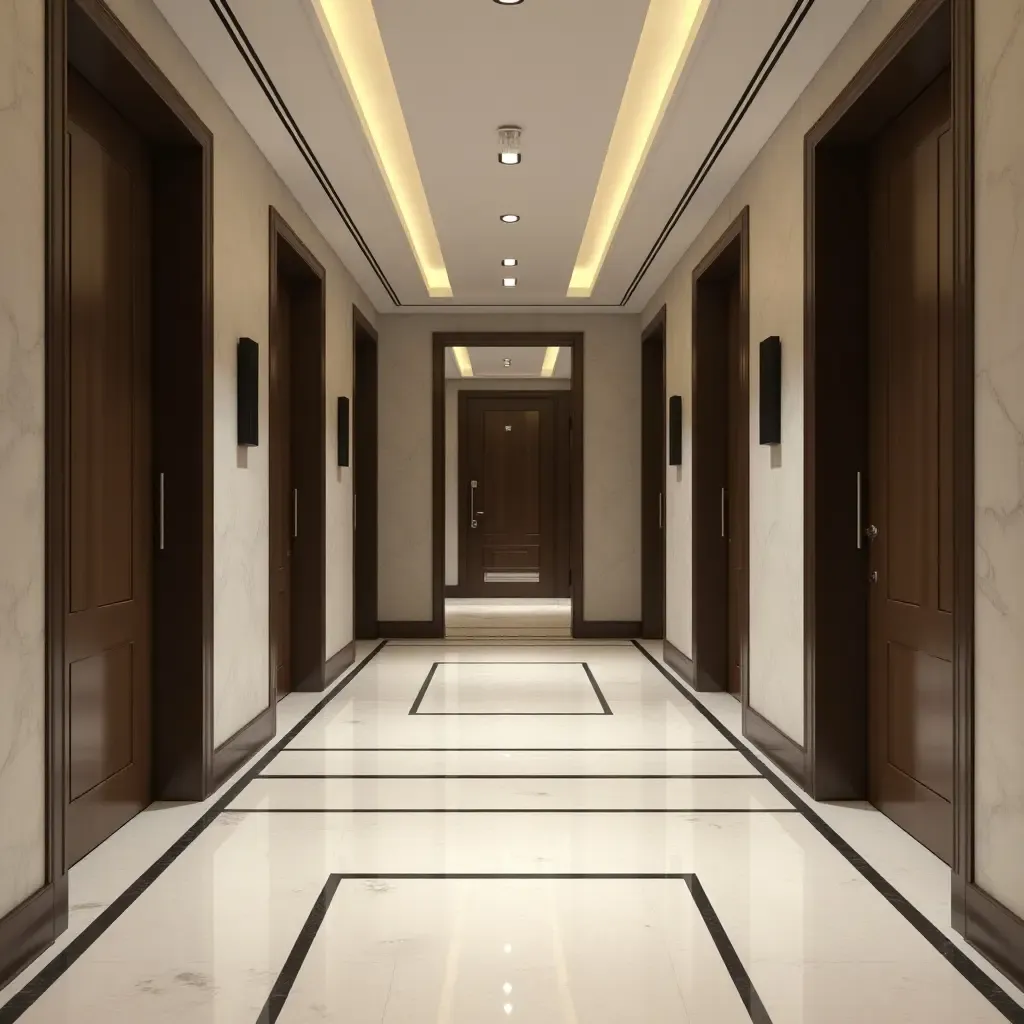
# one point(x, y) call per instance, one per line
point(760, 76)
point(266, 83)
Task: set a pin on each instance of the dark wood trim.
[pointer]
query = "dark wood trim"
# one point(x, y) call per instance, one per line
point(475, 339)
point(424, 629)
point(995, 931)
point(308, 466)
point(363, 447)
point(27, 930)
point(339, 661)
point(239, 748)
point(681, 664)
point(605, 629)
point(710, 572)
point(654, 628)
point(86, 35)
point(775, 744)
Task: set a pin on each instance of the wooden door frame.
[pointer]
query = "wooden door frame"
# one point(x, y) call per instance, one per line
point(308, 644)
point(657, 325)
point(434, 627)
point(362, 326)
point(705, 505)
point(832, 764)
point(562, 523)
point(86, 35)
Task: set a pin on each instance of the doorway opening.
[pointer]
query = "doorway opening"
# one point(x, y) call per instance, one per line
point(721, 455)
point(364, 478)
point(298, 483)
point(129, 439)
point(508, 431)
point(889, 484)
point(653, 469)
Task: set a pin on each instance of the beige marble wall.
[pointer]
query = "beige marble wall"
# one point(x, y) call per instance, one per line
point(773, 189)
point(999, 451)
point(611, 486)
point(22, 680)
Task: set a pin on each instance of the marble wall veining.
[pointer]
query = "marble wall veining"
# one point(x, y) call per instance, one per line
point(772, 187)
point(999, 451)
point(611, 485)
point(22, 665)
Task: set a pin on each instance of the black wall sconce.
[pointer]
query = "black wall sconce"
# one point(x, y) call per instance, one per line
point(771, 390)
point(248, 383)
point(342, 431)
point(675, 430)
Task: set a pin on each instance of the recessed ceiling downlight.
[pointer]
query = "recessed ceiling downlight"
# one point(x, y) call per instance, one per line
point(509, 218)
point(508, 3)
point(509, 262)
point(509, 151)
point(509, 282)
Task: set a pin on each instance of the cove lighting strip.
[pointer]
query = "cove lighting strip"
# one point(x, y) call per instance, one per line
point(550, 358)
point(462, 360)
point(351, 29)
point(669, 31)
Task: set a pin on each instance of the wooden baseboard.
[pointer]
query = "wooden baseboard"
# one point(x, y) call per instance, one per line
point(996, 932)
point(237, 749)
point(420, 629)
point(776, 745)
point(338, 662)
point(680, 663)
point(608, 629)
point(30, 927)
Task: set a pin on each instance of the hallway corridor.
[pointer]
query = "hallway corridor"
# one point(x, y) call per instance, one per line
point(471, 834)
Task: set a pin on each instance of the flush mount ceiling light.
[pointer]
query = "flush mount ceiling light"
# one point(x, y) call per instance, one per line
point(510, 218)
point(667, 38)
point(508, 144)
point(351, 30)
point(509, 282)
point(462, 361)
point(508, 262)
point(547, 368)
point(508, 3)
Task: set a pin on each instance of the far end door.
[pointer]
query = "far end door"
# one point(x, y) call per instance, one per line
point(508, 501)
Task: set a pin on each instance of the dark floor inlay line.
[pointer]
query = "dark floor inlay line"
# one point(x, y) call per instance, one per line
point(716, 929)
point(957, 959)
point(21, 1001)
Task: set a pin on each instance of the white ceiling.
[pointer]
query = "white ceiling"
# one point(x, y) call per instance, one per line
point(526, 362)
point(464, 67)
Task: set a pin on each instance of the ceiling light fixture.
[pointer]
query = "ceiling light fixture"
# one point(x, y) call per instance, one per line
point(666, 41)
point(509, 262)
point(547, 368)
point(507, 362)
point(508, 144)
point(462, 361)
point(509, 282)
point(510, 218)
point(351, 30)
point(508, 3)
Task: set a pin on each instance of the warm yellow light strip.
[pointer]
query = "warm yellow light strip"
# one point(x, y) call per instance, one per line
point(350, 27)
point(463, 361)
point(666, 40)
point(550, 358)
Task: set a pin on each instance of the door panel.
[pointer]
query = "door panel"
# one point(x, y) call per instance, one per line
point(910, 501)
point(738, 431)
point(508, 530)
point(109, 598)
point(282, 486)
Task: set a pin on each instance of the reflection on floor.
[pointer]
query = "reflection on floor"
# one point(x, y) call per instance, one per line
point(498, 617)
point(474, 834)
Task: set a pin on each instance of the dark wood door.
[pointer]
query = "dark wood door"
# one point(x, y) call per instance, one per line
point(653, 484)
point(508, 533)
point(109, 596)
point(282, 487)
point(737, 426)
point(910, 478)
point(364, 498)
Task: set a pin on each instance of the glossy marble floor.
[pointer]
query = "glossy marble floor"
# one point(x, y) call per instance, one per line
point(543, 833)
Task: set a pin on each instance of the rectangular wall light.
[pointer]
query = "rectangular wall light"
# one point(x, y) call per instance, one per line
point(669, 31)
point(463, 361)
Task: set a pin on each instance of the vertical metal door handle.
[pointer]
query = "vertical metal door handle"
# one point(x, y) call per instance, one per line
point(472, 505)
point(660, 496)
point(160, 513)
point(723, 511)
point(295, 512)
point(860, 532)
